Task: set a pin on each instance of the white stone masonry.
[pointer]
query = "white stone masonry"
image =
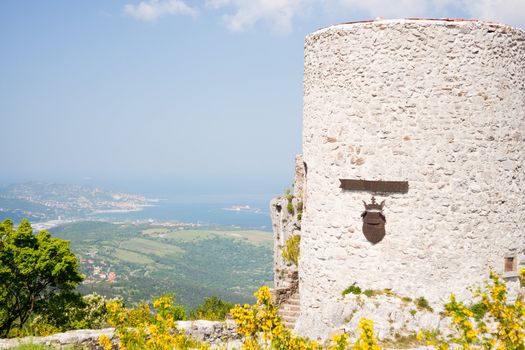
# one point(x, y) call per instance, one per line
point(437, 103)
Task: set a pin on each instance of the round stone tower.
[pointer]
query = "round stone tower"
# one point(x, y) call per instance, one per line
point(429, 117)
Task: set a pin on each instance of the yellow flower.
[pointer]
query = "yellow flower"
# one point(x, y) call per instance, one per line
point(105, 342)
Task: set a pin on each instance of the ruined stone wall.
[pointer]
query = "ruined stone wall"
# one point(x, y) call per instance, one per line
point(440, 104)
point(286, 213)
point(218, 334)
point(285, 224)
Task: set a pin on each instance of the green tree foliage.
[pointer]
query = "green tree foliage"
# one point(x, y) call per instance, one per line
point(67, 311)
point(34, 269)
point(213, 309)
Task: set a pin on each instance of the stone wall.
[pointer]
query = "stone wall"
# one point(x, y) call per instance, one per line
point(84, 339)
point(215, 333)
point(286, 213)
point(286, 224)
point(440, 104)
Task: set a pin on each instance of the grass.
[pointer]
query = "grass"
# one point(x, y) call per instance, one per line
point(133, 257)
point(190, 235)
point(45, 347)
point(249, 236)
point(422, 303)
point(147, 246)
point(155, 231)
point(373, 292)
point(252, 236)
point(403, 342)
point(31, 347)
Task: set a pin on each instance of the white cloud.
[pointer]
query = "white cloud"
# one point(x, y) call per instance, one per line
point(278, 13)
point(152, 9)
point(506, 11)
point(387, 8)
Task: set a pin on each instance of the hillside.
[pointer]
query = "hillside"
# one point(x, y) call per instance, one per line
point(137, 261)
point(41, 201)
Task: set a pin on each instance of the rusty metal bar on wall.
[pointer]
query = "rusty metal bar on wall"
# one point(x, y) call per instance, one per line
point(374, 186)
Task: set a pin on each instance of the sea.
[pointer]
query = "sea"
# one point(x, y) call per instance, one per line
point(249, 212)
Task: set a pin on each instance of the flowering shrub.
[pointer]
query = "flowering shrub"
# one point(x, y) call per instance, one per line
point(501, 327)
point(367, 339)
point(143, 328)
point(261, 328)
point(498, 324)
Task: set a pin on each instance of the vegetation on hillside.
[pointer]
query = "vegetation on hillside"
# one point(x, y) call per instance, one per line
point(149, 260)
point(38, 276)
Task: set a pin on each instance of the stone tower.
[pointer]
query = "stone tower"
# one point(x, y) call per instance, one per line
point(429, 117)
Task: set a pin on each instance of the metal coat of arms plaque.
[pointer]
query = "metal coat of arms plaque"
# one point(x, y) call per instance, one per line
point(374, 221)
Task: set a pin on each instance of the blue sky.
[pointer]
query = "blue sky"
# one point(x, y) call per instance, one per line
point(191, 95)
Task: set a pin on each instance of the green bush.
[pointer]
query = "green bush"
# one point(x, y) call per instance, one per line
point(289, 198)
point(69, 313)
point(422, 303)
point(299, 211)
point(291, 250)
point(353, 289)
point(371, 292)
point(479, 310)
point(289, 208)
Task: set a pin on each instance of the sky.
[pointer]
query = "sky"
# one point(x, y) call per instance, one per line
point(177, 95)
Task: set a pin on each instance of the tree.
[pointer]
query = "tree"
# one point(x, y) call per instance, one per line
point(213, 309)
point(34, 269)
point(69, 310)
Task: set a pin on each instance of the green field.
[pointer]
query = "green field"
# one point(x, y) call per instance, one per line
point(132, 257)
point(150, 260)
point(149, 246)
